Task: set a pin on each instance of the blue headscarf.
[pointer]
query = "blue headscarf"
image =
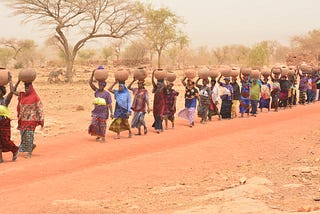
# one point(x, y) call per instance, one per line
point(123, 97)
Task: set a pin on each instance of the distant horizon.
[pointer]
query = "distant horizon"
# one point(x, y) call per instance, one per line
point(212, 23)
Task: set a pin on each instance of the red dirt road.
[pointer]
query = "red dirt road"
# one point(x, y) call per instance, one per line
point(74, 174)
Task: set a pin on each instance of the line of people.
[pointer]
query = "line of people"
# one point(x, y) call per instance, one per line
point(225, 99)
point(246, 98)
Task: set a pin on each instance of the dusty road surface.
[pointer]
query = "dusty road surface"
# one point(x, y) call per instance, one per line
point(267, 164)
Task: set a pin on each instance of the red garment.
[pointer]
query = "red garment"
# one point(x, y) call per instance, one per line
point(158, 103)
point(6, 144)
point(30, 113)
point(140, 100)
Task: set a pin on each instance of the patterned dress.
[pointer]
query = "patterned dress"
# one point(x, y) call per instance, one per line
point(30, 115)
point(190, 104)
point(100, 114)
point(158, 108)
point(141, 98)
point(169, 107)
point(6, 144)
point(303, 87)
point(226, 98)
point(120, 122)
point(244, 98)
point(275, 94)
point(265, 96)
point(203, 109)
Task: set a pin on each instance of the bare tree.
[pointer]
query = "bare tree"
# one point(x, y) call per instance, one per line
point(308, 43)
point(136, 51)
point(81, 21)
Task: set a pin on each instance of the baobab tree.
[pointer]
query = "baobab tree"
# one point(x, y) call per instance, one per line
point(74, 23)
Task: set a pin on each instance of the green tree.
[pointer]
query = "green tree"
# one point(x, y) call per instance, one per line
point(87, 54)
point(259, 54)
point(24, 51)
point(162, 29)
point(81, 21)
point(177, 52)
point(107, 52)
point(6, 54)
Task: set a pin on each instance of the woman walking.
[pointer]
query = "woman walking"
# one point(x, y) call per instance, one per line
point(244, 95)
point(100, 113)
point(170, 98)
point(122, 111)
point(303, 87)
point(255, 91)
point(236, 97)
point(226, 98)
point(140, 106)
point(265, 94)
point(158, 103)
point(205, 94)
point(30, 115)
point(214, 100)
point(191, 97)
point(284, 91)
point(6, 144)
point(275, 91)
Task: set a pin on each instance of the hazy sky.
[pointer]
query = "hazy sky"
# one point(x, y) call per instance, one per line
point(215, 23)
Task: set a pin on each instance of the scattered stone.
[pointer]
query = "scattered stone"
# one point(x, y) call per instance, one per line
point(134, 207)
point(80, 108)
point(316, 198)
point(259, 181)
point(317, 159)
point(316, 208)
point(293, 185)
point(225, 178)
point(304, 209)
point(243, 180)
point(306, 170)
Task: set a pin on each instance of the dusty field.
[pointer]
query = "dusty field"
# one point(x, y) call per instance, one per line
point(185, 170)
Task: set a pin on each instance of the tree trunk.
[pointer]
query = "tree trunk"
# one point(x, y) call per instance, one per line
point(69, 72)
point(159, 59)
point(151, 58)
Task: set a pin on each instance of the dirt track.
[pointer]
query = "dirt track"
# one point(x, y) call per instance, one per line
point(173, 171)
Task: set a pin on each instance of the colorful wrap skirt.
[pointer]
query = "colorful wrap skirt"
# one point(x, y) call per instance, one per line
point(27, 138)
point(98, 126)
point(6, 144)
point(225, 111)
point(138, 120)
point(119, 125)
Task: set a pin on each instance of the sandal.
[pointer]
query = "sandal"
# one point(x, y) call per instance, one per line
point(33, 147)
point(29, 155)
point(15, 155)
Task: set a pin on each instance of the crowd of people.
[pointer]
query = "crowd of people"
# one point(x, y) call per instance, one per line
point(225, 97)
